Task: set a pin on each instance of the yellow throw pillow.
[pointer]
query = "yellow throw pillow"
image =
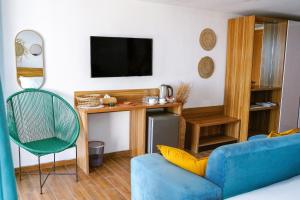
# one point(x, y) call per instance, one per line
point(288, 132)
point(183, 159)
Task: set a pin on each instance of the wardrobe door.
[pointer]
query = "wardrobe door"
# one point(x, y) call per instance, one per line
point(289, 112)
point(240, 37)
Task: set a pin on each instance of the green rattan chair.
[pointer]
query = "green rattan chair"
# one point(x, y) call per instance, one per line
point(42, 123)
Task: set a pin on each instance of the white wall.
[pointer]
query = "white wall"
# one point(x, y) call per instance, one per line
point(66, 26)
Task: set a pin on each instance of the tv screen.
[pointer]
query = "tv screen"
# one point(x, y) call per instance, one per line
point(115, 57)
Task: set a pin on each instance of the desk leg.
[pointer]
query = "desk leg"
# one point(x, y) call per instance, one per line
point(195, 138)
point(82, 143)
point(137, 131)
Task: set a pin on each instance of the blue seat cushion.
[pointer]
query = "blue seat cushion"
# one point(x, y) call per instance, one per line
point(153, 177)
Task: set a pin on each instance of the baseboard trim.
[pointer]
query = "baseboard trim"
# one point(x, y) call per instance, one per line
point(47, 165)
point(125, 153)
point(60, 163)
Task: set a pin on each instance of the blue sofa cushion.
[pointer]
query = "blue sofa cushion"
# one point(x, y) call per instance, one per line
point(153, 178)
point(243, 167)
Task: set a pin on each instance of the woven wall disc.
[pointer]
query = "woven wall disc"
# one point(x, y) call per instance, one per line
point(208, 39)
point(206, 67)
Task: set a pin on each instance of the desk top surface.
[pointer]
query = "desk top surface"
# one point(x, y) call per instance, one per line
point(125, 107)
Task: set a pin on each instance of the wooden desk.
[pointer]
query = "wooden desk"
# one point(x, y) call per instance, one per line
point(137, 120)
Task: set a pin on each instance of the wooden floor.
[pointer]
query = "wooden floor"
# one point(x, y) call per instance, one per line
point(111, 181)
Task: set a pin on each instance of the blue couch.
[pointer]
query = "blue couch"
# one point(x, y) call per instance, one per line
point(231, 170)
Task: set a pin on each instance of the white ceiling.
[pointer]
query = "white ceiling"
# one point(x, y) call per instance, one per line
point(289, 8)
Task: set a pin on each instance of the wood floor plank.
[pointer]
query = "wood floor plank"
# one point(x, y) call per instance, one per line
point(71, 185)
point(102, 182)
point(123, 163)
point(122, 188)
point(113, 194)
point(108, 182)
point(117, 170)
point(75, 187)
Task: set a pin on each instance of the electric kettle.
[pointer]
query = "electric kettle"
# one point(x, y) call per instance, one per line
point(166, 91)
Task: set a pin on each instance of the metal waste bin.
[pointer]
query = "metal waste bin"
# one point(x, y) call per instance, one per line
point(96, 151)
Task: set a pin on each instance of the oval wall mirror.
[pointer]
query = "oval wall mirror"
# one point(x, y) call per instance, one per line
point(29, 59)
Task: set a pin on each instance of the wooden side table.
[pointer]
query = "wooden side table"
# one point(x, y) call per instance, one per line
point(198, 140)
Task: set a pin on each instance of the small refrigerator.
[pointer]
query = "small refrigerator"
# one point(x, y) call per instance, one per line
point(162, 128)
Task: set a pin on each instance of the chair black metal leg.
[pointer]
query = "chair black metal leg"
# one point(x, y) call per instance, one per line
point(52, 172)
point(40, 173)
point(20, 169)
point(54, 162)
point(76, 165)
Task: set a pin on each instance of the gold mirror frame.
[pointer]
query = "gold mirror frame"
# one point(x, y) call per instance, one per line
point(25, 72)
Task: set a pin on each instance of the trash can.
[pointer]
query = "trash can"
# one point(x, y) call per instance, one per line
point(96, 151)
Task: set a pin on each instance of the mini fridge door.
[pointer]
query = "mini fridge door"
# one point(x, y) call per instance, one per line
point(162, 129)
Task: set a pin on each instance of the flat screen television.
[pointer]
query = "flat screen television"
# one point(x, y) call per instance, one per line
point(116, 57)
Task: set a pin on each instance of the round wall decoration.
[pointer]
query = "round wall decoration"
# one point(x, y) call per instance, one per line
point(206, 67)
point(208, 39)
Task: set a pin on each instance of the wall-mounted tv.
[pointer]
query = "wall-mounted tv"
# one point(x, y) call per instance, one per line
point(116, 56)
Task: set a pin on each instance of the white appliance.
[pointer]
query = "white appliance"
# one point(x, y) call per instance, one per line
point(166, 91)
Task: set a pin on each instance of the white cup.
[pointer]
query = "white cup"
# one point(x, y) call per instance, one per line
point(152, 101)
point(162, 101)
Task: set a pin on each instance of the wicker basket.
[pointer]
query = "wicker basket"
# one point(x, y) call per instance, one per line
point(110, 100)
point(90, 100)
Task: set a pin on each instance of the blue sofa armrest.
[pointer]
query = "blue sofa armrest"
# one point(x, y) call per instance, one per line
point(152, 178)
point(257, 137)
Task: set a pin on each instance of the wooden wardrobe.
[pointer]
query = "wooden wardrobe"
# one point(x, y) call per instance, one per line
point(256, 52)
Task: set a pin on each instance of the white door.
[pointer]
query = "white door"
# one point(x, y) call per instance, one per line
point(289, 110)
